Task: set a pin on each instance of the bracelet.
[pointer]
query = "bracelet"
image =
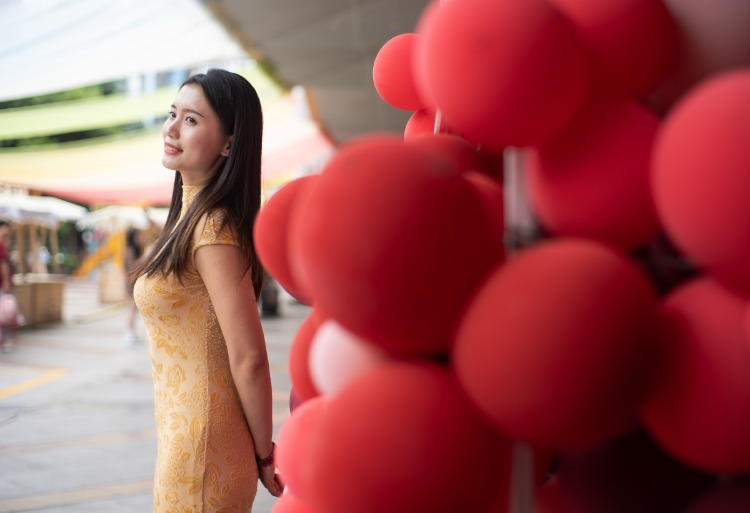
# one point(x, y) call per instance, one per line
point(268, 460)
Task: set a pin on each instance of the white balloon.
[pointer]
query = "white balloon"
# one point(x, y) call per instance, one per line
point(337, 356)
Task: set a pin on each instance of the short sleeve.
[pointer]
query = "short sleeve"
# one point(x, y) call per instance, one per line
point(209, 231)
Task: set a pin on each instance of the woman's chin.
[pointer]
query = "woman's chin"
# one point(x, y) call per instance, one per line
point(167, 163)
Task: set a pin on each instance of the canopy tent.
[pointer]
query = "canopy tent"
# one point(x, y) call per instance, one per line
point(122, 217)
point(53, 45)
point(42, 210)
point(127, 169)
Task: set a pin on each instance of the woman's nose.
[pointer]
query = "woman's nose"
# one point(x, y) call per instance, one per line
point(170, 127)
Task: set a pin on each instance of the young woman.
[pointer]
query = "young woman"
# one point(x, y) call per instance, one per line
point(197, 292)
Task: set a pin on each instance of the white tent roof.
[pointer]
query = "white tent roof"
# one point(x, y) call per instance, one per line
point(39, 209)
point(54, 45)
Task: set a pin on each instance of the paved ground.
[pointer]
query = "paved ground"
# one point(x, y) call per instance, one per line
point(76, 411)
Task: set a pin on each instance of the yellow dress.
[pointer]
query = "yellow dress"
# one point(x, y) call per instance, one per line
point(205, 454)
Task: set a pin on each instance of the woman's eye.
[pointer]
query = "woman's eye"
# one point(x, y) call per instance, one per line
point(171, 114)
point(190, 119)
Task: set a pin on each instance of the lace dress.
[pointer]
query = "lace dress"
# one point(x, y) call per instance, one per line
point(205, 455)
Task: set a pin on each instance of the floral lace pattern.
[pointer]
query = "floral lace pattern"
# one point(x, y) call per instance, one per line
point(205, 455)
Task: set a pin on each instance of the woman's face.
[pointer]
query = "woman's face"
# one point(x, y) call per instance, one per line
point(194, 143)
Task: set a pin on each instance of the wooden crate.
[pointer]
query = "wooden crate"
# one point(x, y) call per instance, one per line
point(48, 301)
point(25, 296)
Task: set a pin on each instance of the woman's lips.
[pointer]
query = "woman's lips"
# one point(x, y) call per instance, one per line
point(171, 150)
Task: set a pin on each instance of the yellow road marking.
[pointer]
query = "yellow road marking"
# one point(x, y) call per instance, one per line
point(31, 383)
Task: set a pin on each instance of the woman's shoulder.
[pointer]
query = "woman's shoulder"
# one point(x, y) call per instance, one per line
point(214, 227)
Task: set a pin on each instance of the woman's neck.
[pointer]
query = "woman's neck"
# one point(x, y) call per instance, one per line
point(192, 180)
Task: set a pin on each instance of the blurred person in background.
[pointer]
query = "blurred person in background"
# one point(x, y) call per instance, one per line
point(134, 253)
point(9, 305)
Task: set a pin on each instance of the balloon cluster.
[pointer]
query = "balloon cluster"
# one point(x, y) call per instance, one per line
point(610, 346)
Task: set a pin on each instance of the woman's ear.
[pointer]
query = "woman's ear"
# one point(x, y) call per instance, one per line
point(227, 146)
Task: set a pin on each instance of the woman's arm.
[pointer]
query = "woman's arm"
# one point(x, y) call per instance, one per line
point(231, 290)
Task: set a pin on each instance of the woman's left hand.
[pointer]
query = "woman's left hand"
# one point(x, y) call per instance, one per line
point(271, 480)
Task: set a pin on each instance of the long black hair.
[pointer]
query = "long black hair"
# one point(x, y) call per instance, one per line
point(234, 189)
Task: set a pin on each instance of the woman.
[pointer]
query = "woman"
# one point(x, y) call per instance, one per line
point(197, 292)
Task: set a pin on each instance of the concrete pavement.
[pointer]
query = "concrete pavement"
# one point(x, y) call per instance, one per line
point(76, 410)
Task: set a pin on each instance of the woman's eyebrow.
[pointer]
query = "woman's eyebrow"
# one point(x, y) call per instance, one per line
point(189, 110)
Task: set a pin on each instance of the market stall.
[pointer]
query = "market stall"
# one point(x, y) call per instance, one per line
point(39, 284)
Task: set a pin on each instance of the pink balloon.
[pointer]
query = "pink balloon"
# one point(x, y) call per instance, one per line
point(392, 73)
point(501, 73)
point(593, 179)
point(633, 42)
point(299, 358)
point(337, 356)
point(700, 177)
point(697, 408)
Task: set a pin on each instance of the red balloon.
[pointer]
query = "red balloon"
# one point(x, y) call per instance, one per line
point(479, 169)
point(402, 438)
point(454, 150)
point(713, 39)
point(727, 498)
point(593, 179)
point(299, 358)
point(501, 73)
point(549, 498)
point(293, 446)
point(491, 194)
point(271, 235)
point(421, 122)
point(700, 177)
point(392, 73)
point(554, 348)
point(494, 162)
point(698, 407)
point(288, 503)
point(628, 474)
point(392, 241)
point(633, 42)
